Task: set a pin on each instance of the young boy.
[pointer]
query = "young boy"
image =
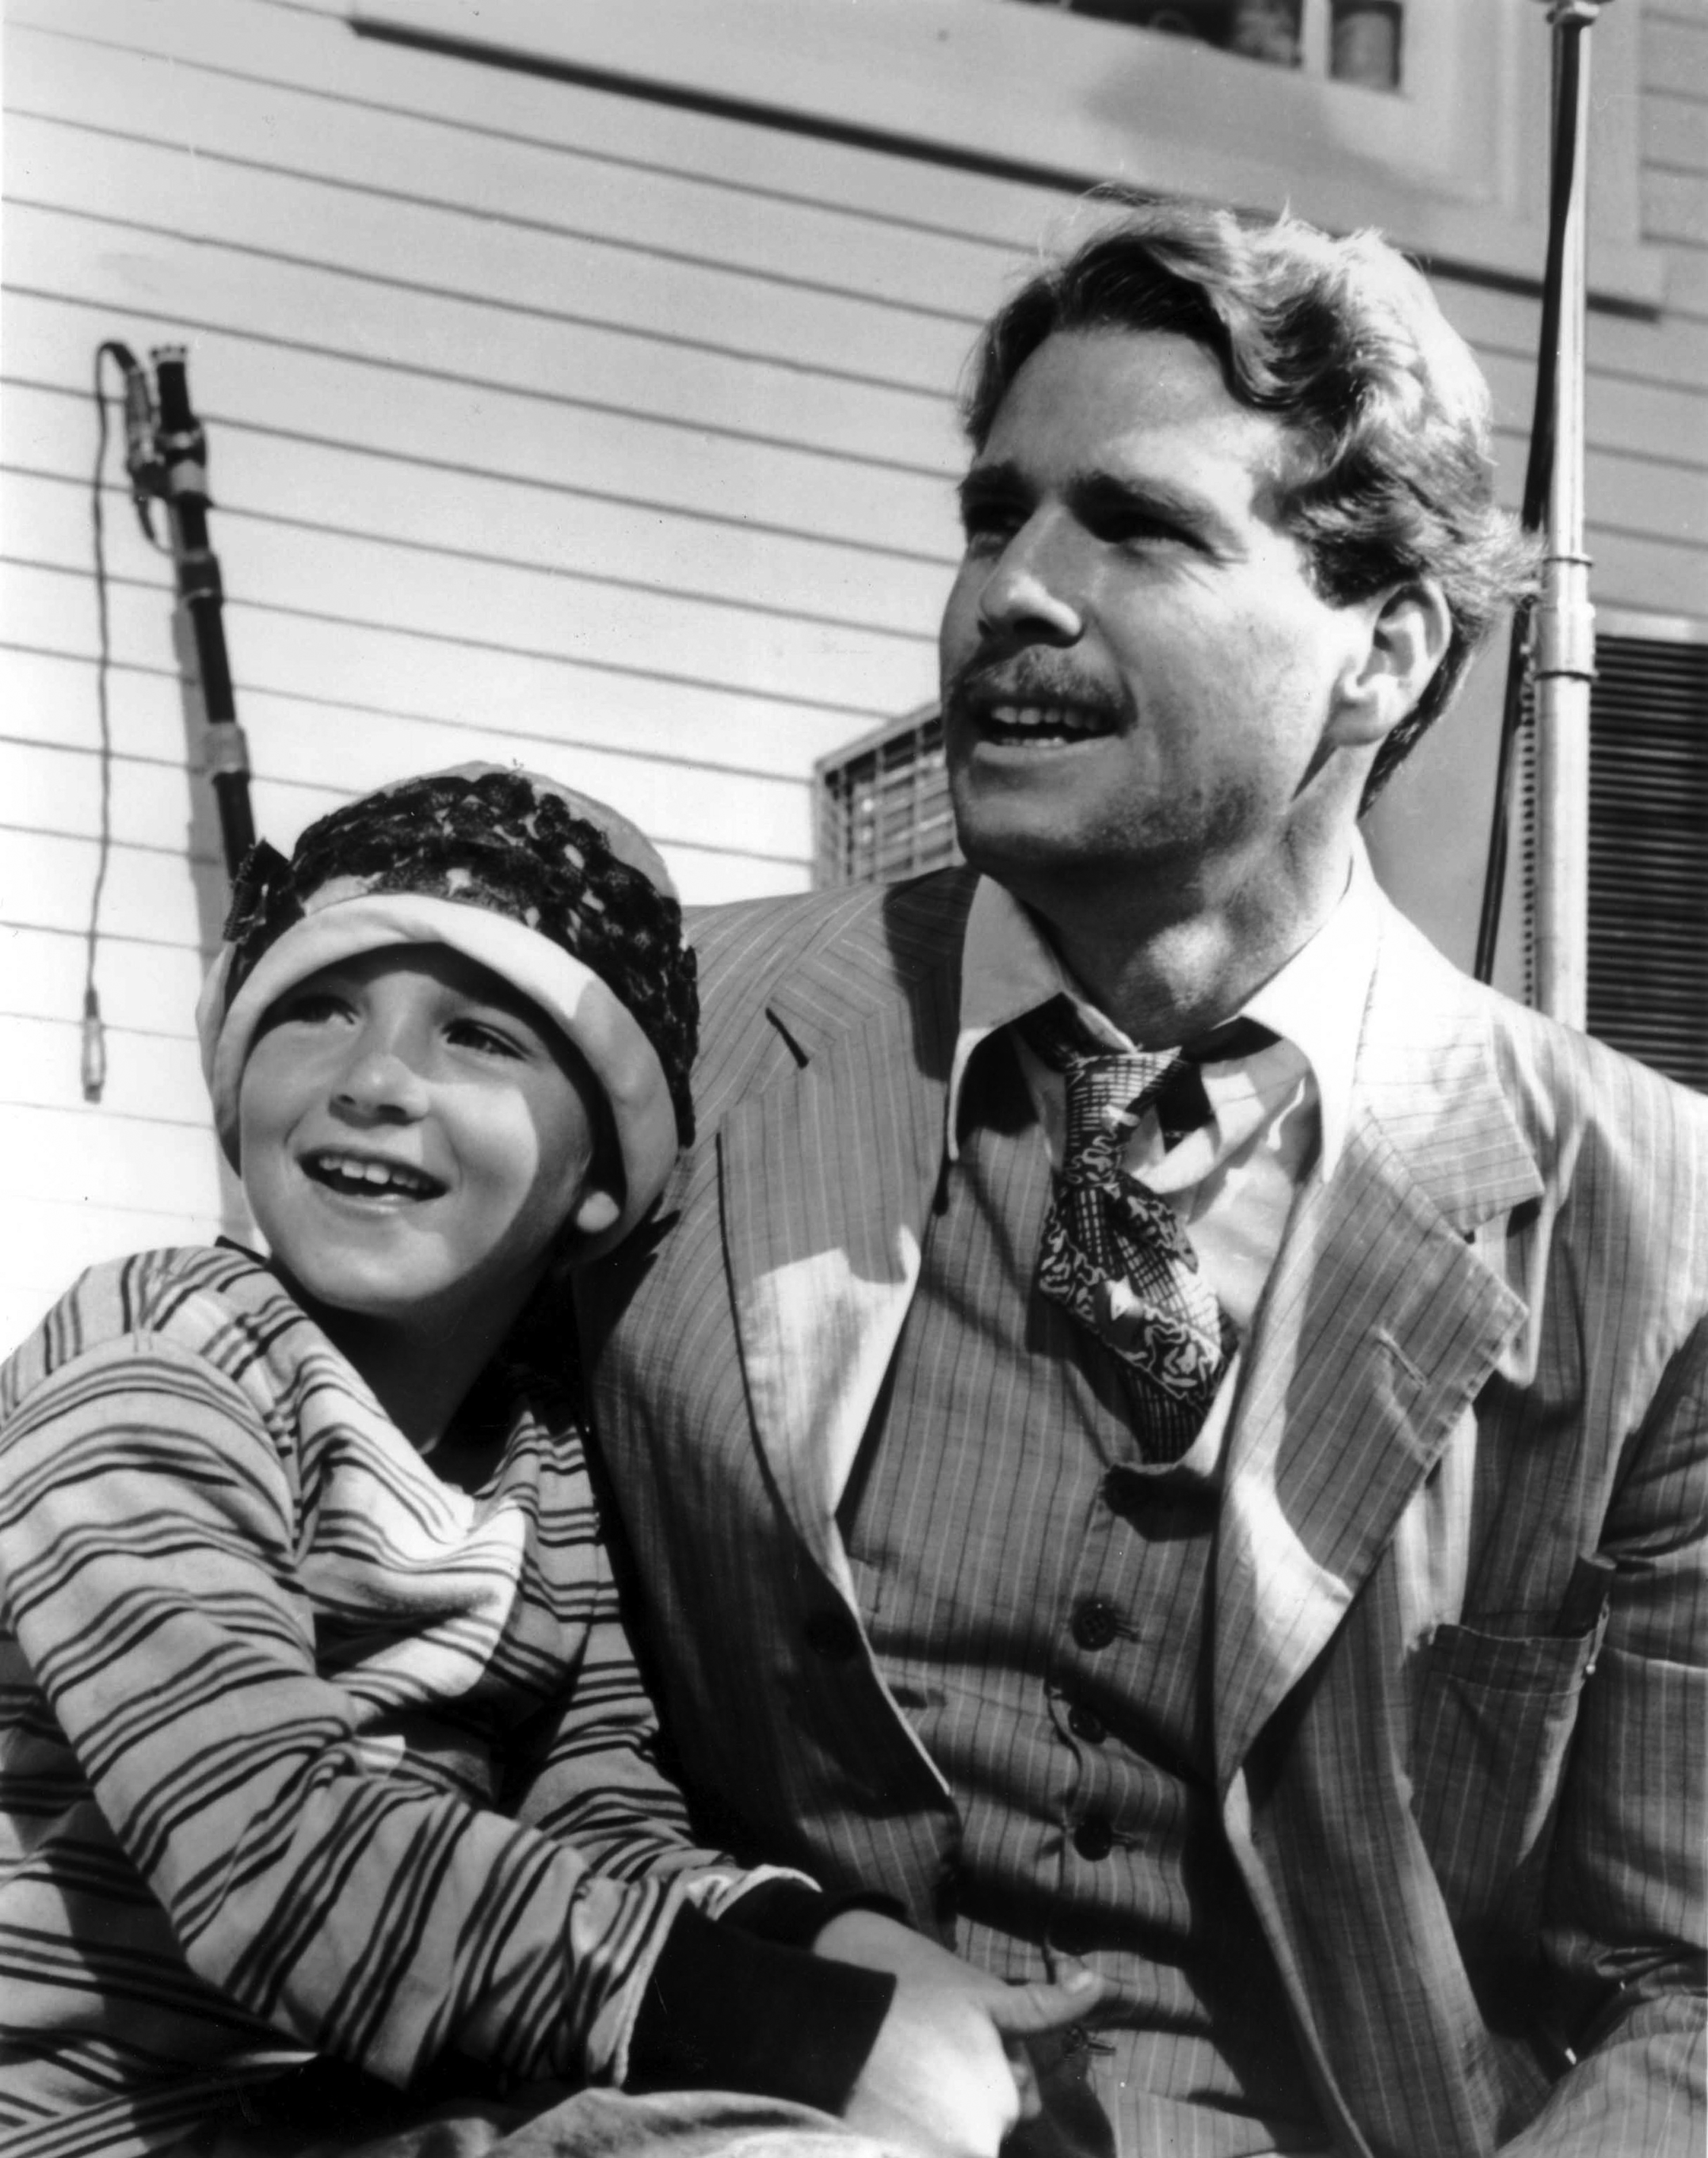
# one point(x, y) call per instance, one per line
point(305, 1618)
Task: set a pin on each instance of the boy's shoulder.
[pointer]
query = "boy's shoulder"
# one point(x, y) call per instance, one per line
point(214, 1302)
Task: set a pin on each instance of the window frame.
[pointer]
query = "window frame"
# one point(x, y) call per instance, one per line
point(1453, 165)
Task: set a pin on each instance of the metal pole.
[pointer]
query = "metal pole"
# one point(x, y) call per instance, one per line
point(182, 451)
point(1564, 619)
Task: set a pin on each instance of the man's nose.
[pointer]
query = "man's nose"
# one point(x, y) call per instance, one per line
point(382, 1080)
point(1031, 589)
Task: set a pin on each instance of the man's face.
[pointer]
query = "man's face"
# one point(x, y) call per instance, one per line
point(1139, 682)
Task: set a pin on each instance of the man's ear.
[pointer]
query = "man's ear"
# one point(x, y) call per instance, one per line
point(1409, 629)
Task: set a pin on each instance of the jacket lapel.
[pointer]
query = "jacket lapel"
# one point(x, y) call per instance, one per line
point(1379, 1327)
point(827, 1184)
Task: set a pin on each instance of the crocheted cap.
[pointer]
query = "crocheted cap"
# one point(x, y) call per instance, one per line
point(554, 892)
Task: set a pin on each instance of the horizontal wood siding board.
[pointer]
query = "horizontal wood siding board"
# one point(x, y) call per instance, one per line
point(1676, 206)
point(292, 486)
point(47, 787)
point(93, 1157)
point(272, 217)
point(146, 988)
point(321, 575)
point(556, 192)
point(201, 291)
point(1643, 417)
point(152, 1078)
point(1675, 136)
point(1628, 571)
point(231, 40)
point(531, 714)
point(1675, 50)
point(543, 442)
point(1687, 285)
point(348, 664)
point(1672, 352)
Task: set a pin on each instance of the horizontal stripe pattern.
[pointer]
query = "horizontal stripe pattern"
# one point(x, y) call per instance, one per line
point(264, 1678)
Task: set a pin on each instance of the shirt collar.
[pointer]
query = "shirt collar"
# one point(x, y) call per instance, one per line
point(1316, 1001)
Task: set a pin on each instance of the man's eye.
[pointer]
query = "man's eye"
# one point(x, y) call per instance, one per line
point(988, 526)
point(1130, 528)
point(991, 511)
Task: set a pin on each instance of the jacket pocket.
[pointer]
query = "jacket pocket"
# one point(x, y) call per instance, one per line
point(1495, 1715)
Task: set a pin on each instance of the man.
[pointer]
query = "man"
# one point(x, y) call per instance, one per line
point(1237, 1518)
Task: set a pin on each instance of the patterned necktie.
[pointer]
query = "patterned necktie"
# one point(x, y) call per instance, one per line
point(1113, 1252)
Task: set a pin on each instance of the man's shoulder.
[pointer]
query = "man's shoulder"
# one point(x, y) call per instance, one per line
point(787, 982)
point(1568, 1093)
point(871, 941)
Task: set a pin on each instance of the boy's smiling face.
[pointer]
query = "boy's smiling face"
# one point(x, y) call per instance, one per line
point(414, 1136)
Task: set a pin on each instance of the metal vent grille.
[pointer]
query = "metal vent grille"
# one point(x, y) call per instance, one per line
point(1649, 853)
point(884, 805)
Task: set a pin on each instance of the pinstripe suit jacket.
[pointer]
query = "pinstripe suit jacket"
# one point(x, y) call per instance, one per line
point(1457, 1631)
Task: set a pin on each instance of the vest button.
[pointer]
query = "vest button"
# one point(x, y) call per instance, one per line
point(1085, 1724)
point(833, 1635)
point(1128, 1492)
point(1095, 1623)
point(1094, 1838)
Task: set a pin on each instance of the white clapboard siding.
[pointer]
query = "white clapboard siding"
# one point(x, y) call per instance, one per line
point(297, 740)
point(214, 36)
point(152, 1078)
point(47, 788)
point(424, 247)
point(553, 189)
point(432, 333)
point(433, 595)
point(273, 457)
point(352, 666)
point(145, 988)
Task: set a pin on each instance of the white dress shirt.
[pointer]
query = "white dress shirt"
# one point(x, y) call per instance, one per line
point(1276, 1118)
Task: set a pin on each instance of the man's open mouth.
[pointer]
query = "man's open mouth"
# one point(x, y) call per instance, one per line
point(1043, 725)
point(363, 1176)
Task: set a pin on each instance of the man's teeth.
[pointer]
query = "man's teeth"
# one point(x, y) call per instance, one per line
point(1047, 719)
point(372, 1175)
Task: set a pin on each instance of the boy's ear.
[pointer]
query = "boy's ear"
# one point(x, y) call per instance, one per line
point(595, 1211)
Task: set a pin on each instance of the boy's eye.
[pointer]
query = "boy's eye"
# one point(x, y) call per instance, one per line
point(482, 1034)
point(309, 1008)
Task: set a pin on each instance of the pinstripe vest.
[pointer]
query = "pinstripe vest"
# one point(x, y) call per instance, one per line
point(1038, 1602)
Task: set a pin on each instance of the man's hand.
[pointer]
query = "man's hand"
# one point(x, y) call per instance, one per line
point(948, 2076)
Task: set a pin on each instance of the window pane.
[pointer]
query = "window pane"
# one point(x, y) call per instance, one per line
point(1364, 36)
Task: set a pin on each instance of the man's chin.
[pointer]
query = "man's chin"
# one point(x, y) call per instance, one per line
point(1002, 830)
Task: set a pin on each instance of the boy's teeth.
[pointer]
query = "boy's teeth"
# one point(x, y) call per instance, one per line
point(380, 1174)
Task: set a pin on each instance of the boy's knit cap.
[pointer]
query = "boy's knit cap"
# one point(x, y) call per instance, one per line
point(554, 892)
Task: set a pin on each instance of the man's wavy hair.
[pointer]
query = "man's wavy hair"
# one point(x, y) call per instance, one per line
point(1392, 475)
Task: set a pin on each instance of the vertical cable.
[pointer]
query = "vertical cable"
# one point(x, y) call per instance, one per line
point(94, 1045)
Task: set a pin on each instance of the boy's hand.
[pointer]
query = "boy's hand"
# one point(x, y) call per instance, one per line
point(948, 2076)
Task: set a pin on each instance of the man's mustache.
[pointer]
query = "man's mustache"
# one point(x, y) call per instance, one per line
point(1030, 678)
